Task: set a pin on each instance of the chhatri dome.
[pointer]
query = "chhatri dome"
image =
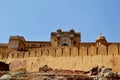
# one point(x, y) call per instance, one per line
point(72, 30)
point(59, 30)
point(101, 38)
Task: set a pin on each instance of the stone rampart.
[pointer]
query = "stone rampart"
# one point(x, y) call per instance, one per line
point(67, 57)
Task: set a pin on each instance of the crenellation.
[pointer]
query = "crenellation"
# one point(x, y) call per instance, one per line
point(59, 52)
point(3, 56)
point(15, 55)
point(92, 50)
point(26, 55)
point(21, 55)
point(45, 53)
point(112, 49)
point(52, 52)
point(83, 51)
point(56, 53)
point(9, 56)
point(74, 51)
point(39, 54)
point(66, 51)
point(102, 50)
point(32, 53)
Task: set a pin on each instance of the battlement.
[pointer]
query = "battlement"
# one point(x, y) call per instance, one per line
point(64, 51)
point(81, 58)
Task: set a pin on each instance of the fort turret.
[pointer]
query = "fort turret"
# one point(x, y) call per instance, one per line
point(17, 43)
point(101, 40)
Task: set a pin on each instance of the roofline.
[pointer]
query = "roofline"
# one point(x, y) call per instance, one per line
point(37, 41)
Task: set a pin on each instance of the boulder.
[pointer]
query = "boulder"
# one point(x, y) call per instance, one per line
point(5, 77)
point(45, 68)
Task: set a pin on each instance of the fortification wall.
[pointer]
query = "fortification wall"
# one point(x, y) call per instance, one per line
point(73, 58)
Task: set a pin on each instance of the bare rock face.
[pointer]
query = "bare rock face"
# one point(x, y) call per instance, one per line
point(4, 66)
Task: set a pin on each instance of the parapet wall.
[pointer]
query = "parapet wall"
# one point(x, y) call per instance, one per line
point(67, 51)
point(67, 57)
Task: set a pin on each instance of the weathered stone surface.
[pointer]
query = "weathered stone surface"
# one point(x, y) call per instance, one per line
point(18, 65)
point(66, 51)
point(45, 53)
point(102, 50)
point(92, 50)
point(59, 52)
point(38, 53)
point(74, 51)
point(113, 49)
point(83, 51)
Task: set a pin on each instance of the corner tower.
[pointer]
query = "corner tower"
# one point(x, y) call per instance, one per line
point(65, 38)
point(17, 43)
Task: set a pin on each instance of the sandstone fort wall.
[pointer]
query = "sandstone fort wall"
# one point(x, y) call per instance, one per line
point(73, 58)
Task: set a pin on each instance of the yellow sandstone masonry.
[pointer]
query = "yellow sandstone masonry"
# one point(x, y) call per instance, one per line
point(69, 59)
point(59, 52)
point(83, 51)
point(92, 50)
point(102, 50)
point(113, 49)
point(64, 51)
point(74, 51)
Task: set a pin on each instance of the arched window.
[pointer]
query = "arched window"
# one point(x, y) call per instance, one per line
point(64, 44)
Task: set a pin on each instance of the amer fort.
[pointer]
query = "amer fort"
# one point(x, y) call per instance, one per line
point(64, 51)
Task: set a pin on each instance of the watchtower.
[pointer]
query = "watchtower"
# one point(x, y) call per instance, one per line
point(17, 43)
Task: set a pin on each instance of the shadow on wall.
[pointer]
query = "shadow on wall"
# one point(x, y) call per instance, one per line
point(4, 66)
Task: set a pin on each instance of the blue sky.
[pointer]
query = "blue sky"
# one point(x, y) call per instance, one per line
point(36, 19)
